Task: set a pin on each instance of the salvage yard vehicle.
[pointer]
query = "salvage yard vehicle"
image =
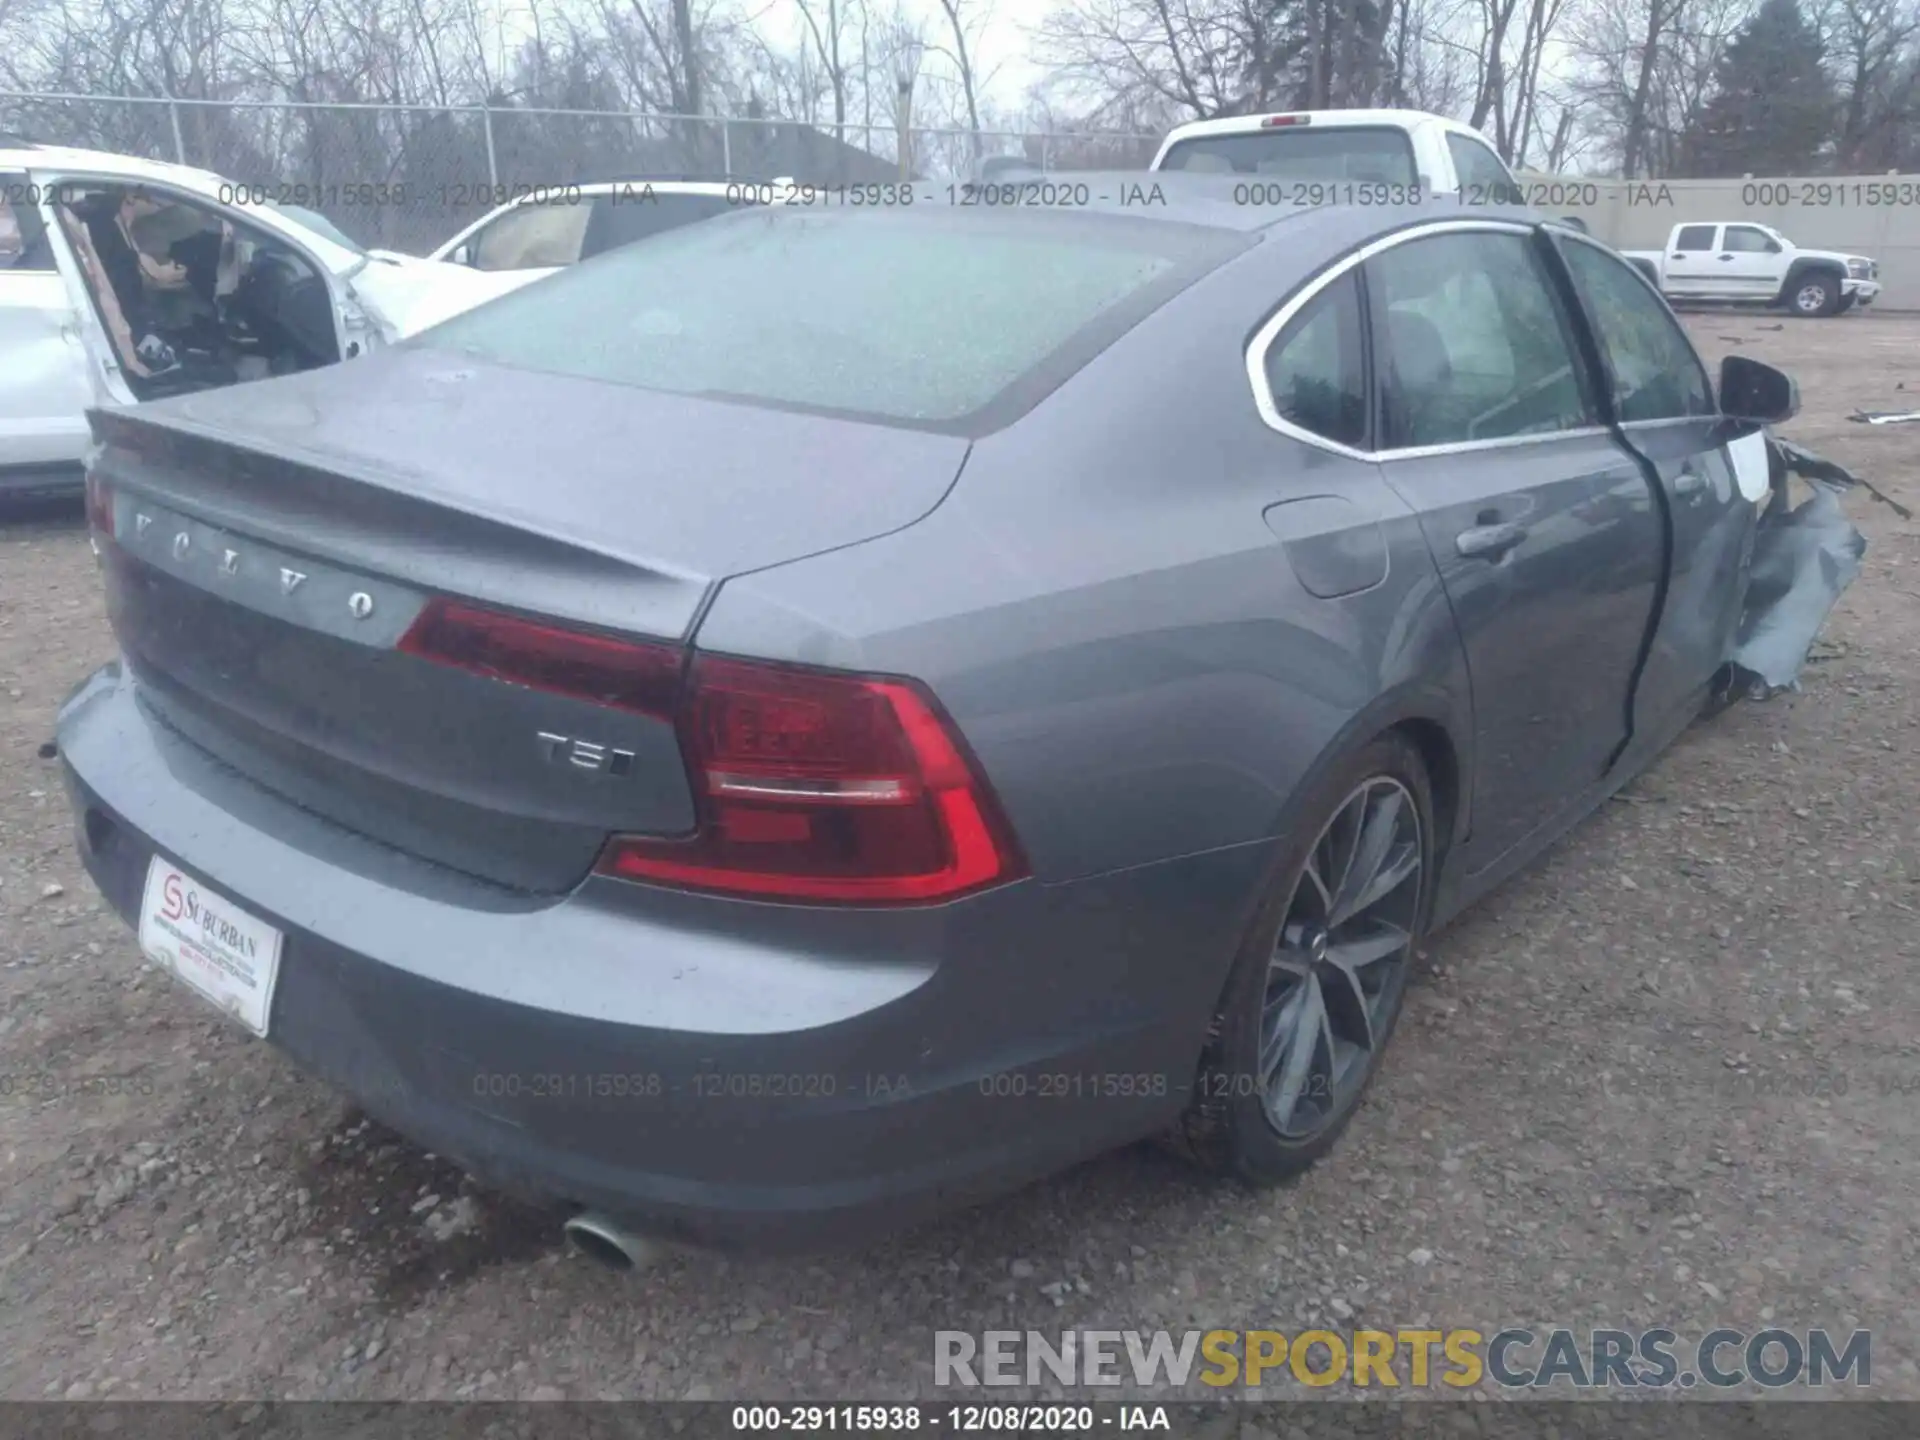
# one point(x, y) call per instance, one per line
point(550, 227)
point(1410, 149)
point(125, 280)
point(944, 691)
point(1750, 264)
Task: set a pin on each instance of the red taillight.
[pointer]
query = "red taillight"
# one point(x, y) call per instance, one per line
point(824, 788)
point(1274, 121)
point(99, 505)
point(597, 668)
point(809, 785)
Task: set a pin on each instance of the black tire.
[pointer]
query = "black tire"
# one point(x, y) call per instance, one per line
point(1723, 691)
point(1816, 295)
point(1846, 304)
point(1227, 1127)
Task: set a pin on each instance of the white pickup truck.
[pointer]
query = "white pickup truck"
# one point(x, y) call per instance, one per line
point(1742, 263)
point(1398, 148)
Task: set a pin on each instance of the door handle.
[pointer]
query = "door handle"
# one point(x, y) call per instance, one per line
point(1489, 542)
point(1726, 257)
point(1689, 482)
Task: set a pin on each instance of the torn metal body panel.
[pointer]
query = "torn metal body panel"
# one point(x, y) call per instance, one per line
point(1804, 558)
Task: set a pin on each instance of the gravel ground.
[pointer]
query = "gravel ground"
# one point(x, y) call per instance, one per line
point(1607, 1106)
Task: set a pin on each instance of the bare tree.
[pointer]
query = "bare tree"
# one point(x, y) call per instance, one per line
point(826, 23)
point(1873, 48)
point(964, 18)
point(1194, 58)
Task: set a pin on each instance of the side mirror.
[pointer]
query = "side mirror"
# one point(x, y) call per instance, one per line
point(462, 255)
point(1758, 393)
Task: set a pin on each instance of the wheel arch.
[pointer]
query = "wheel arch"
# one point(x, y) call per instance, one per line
point(1441, 757)
point(1439, 728)
point(1801, 270)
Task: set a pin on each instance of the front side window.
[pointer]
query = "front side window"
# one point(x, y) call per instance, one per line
point(1694, 237)
point(1745, 240)
point(1482, 176)
point(1472, 346)
point(319, 224)
point(1315, 370)
point(534, 236)
point(1652, 369)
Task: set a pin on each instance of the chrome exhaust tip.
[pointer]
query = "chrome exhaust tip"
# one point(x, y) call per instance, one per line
point(608, 1244)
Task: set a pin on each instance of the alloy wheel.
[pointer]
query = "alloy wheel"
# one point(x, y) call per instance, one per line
point(1810, 299)
point(1341, 958)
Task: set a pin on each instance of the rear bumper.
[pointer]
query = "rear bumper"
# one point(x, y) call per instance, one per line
point(729, 1074)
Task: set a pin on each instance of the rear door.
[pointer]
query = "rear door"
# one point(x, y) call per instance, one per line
point(543, 234)
point(1658, 393)
point(1692, 261)
point(43, 366)
point(1541, 522)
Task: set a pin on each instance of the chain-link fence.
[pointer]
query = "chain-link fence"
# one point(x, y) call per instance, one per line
point(407, 177)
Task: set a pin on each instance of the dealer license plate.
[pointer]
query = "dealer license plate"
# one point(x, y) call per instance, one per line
point(219, 949)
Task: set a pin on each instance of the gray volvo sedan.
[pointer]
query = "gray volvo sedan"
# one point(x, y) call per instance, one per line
point(821, 717)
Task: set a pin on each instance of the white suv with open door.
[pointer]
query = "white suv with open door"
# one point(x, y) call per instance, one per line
point(124, 280)
point(1405, 148)
point(555, 226)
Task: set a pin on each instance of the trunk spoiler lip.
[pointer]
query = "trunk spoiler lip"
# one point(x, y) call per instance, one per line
point(407, 485)
point(127, 426)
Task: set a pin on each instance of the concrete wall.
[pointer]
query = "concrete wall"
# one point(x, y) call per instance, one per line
point(1877, 216)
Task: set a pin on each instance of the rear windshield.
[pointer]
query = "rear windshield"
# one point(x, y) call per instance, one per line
point(919, 318)
point(620, 219)
point(320, 226)
point(1302, 152)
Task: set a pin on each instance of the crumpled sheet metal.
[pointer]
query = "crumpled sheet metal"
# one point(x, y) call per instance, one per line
point(1804, 558)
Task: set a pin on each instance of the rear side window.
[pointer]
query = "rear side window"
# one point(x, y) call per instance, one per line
point(633, 213)
point(1472, 345)
point(1483, 178)
point(1315, 369)
point(1652, 368)
point(23, 244)
point(1694, 237)
point(534, 236)
point(919, 318)
point(1302, 152)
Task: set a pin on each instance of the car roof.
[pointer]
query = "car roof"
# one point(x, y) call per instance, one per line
point(1222, 202)
point(128, 167)
point(1246, 124)
point(669, 185)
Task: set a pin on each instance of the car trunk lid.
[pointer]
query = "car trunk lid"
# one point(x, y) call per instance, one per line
point(275, 545)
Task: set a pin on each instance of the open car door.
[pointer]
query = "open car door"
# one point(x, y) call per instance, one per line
point(97, 317)
point(43, 380)
point(287, 306)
